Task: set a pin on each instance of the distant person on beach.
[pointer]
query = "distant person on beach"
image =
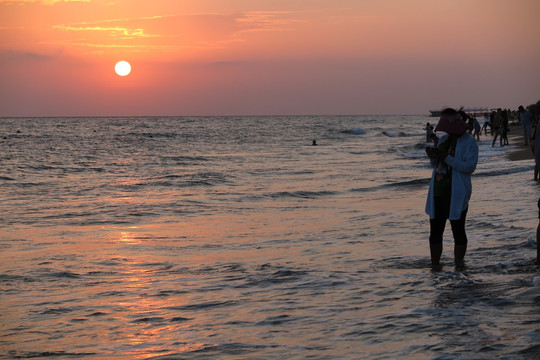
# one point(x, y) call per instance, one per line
point(487, 123)
point(470, 121)
point(476, 128)
point(536, 151)
point(453, 161)
point(535, 142)
point(538, 237)
point(498, 121)
point(505, 128)
point(525, 117)
point(429, 132)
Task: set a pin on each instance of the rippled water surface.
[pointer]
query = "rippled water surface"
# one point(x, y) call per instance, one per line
point(234, 238)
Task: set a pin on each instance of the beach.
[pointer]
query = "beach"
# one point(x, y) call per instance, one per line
point(236, 238)
point(519, 150)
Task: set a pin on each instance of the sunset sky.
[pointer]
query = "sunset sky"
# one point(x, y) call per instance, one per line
point(266, 57)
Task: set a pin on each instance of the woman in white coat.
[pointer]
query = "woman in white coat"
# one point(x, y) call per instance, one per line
point(454, 160)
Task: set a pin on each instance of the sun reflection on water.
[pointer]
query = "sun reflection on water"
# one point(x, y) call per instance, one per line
point(129, 237)
point(150, 320)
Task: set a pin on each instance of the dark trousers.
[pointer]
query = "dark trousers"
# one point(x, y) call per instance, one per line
point(437, 225)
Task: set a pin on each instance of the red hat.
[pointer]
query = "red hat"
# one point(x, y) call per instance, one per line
point(452, 124)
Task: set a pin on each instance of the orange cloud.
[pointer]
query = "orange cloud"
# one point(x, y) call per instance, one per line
point(170, 33)
point(127, 33)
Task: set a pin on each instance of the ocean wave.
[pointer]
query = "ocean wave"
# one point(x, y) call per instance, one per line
point(301, 194)
point(276, 320)
point(148, 320)
point(64, 275)
point(357, 131)
point(278, 277)
point(500, 172)
point(202, 306)
point(399, 134)
point(213, 351)
point(186, 160)
point(203, 178)
point(9, 279)
point(399, 184)
point(16, 354)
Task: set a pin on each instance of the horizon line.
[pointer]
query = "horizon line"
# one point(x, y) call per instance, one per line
point(156, 116)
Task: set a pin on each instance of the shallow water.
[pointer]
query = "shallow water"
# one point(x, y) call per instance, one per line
point(233, 238)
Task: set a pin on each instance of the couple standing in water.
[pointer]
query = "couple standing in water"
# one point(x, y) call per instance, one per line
point(453, 159)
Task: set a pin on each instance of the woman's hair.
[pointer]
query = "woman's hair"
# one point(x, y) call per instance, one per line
point(449, 111)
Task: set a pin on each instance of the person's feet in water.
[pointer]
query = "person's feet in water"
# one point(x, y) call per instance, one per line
point(436, 267)
point(435, 250)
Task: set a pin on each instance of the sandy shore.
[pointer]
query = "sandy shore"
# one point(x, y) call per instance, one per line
point(517, 150)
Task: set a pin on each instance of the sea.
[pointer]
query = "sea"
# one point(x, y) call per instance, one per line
point(235, 237)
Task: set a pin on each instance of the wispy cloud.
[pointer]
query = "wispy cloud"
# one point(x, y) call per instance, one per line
point(165, 33)
point(113, 26)
point(267, 21)
point(126, 32)
point(133, 47)
point(181, 31)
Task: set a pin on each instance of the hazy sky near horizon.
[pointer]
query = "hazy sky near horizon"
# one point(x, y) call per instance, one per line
point(262, 57)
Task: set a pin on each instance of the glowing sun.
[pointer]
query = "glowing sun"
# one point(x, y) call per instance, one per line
point(122, 68)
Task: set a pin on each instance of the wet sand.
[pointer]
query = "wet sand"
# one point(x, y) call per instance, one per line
point(518, 150)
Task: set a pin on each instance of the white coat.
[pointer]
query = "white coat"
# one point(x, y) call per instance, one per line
point(463, 164)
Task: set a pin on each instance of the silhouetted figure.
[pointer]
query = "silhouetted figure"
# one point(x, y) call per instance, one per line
point(453, 160)
point(535, 146)
point(487, 123)
point(504, 132)
point(476, 129)
point(497, 127)
point(525, 117)
point(538, 237)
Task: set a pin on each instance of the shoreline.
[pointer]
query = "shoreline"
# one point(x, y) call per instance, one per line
point(520, 152)
point(517, 150)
